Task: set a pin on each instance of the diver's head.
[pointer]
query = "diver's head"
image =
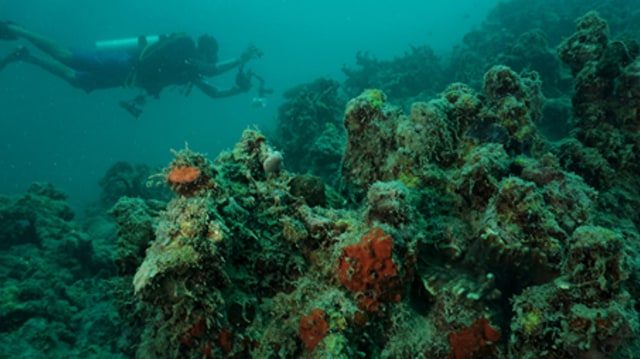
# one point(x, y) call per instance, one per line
point(208, 48)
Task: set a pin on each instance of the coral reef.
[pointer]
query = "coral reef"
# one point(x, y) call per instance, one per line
point(461, 234)
point(584, 312)
point(523, 35)
point(56, 280)
point(405, 77)
point(605, 117)
point(123, 179)
point(42, 213)
point(436, 221)
point(308, 131)
point(604, 105)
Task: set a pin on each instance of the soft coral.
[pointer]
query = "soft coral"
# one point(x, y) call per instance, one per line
point(368, 267)
point(475, 341)
point(313, 328)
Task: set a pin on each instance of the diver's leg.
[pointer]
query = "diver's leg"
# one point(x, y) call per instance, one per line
point(19, 54)
point(58, 52)
point(6, 61)
point(11, 58)
point(51, 66)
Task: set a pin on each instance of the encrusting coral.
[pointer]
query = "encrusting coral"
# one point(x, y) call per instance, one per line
point(367, 268)
point(458, 232)
point(313, 328)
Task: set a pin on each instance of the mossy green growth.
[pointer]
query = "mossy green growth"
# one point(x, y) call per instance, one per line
point(531, 321)
point(409, 179)
point(335, 343)
point(524, 132)
point(522, 161)
point(376, 97)
point(9, 299)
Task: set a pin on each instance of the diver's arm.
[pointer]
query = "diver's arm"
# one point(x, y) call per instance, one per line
point(214, 92)
point(243, 84)
point(251, 52)
point(210, 69)
point(205, 68)
point(230, 64)
point(213, 69)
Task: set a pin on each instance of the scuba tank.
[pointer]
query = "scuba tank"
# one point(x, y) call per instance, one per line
point(127, 44)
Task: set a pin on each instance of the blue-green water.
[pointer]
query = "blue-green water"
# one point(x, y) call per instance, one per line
point(52, 132)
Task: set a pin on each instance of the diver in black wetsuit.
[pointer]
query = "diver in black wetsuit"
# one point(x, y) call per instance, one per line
point(175, 59)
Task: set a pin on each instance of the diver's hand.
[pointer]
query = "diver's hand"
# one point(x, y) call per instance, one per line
point(243, 80)
point(250, 53)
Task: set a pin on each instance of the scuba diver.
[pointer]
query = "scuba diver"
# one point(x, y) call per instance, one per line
point(152, 65)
